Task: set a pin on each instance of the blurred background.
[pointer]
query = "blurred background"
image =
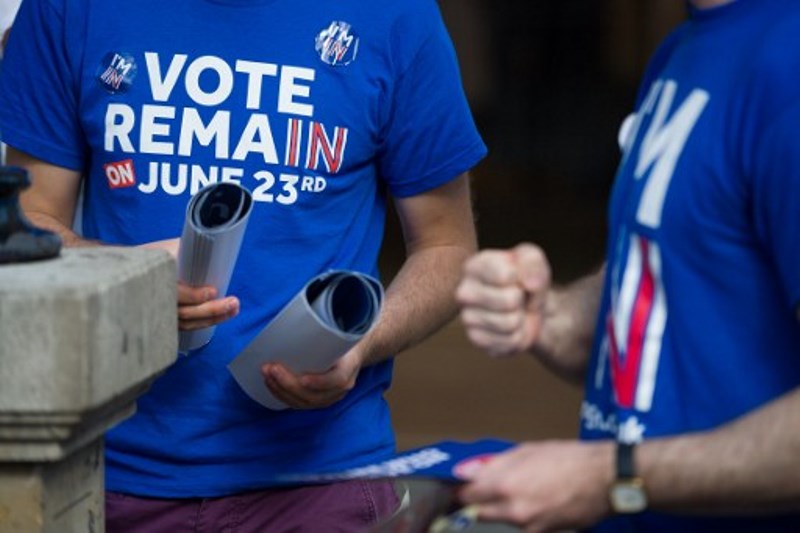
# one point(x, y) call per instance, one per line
point(549, 83)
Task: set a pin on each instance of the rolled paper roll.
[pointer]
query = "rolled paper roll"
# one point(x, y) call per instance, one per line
point(216, 220)
point(326, 318)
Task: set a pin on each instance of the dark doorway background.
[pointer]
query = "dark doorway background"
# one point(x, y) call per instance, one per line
point(549, 84)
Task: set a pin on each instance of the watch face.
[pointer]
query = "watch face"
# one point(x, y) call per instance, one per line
point(628, 497)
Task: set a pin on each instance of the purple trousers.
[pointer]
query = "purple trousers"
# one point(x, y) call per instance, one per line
point(350, 506)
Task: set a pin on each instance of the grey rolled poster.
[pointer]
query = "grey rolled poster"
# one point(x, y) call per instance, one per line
point(216, 219)
point(326, 318)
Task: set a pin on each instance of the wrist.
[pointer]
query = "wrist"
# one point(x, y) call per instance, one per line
point(551, 324)
point(359, 355)
point(627, 492)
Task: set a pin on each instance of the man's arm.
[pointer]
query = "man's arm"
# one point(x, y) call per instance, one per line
point(51, 200)
point(439, 234)
point(508, 306)
point(746, 467)
point(570, 316)
point(50, 203)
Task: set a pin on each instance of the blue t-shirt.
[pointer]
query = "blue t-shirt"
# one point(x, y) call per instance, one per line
point(319, 108)
point(697, 324)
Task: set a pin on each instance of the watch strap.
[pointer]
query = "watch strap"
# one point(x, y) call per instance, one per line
point(625, 465)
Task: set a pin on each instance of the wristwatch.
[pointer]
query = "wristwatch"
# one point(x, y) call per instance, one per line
point(627, 492)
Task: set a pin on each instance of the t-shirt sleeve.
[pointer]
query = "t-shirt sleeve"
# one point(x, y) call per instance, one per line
point(429, 136)
point(38, 87)
point(776, 198)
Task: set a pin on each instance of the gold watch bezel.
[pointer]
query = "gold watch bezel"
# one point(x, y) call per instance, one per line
point(628, 496)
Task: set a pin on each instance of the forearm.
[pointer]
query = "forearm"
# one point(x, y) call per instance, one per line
point(418, 302)
point(51, 200)
point(439, 235)
point(69, 237)
point(568, 327)
point(745, 467)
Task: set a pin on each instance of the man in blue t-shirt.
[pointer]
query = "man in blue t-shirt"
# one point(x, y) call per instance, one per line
point(324, 111)
point(687, 341)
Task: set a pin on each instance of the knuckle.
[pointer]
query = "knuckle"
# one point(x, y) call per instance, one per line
point(509, 323)
point(477, 337)
point(470, 317)
point(462, 292)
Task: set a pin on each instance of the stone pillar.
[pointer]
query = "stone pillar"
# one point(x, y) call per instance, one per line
point(81, 337)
